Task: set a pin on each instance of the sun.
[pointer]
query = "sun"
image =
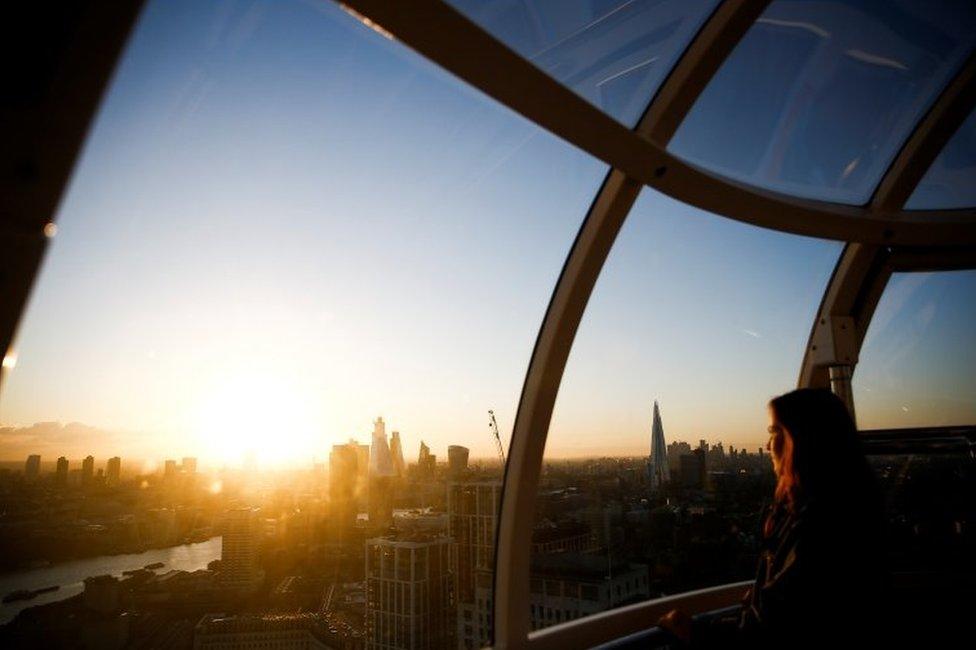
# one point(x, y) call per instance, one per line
point(258, 414)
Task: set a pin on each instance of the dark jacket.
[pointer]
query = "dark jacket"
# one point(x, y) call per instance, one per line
point(819, 580)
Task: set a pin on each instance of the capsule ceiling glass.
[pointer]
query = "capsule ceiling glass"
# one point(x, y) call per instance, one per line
point(818, 97)
point(916, 364)
point(950, 183)
point(815, 101)
point(613, 53)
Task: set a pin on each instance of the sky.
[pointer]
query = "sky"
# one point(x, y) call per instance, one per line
point(284, 225)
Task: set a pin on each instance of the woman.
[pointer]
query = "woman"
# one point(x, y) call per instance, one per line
point(820, 576)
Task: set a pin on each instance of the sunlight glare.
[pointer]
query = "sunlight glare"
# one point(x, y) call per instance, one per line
point(256, 413)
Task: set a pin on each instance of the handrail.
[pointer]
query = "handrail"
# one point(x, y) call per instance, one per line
point(921, 440)
point(606, 626)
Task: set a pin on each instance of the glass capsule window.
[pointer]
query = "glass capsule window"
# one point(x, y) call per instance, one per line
point(655, 467)
point(613, 53)
point(296, 267)
point(950, 183)
point(818, 97)
point(916, 367)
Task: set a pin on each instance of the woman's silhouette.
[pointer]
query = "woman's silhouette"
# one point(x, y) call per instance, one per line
point(820, 574)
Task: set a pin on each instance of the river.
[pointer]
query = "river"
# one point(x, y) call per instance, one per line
point(69, 575)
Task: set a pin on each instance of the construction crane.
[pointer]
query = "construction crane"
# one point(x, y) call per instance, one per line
point(493, 425)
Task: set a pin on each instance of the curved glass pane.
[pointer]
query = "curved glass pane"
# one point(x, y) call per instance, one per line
point(614, 53)
point(917, 365)
point(695, 323)
point(950, 183)
point(283, 227)
point(818, 97)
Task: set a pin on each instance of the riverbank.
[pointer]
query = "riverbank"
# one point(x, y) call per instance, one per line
point(70, 576)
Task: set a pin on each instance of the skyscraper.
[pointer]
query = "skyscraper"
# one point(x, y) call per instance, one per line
point(381, 474)
point(472, 510)
point(240, 544)
point(87, 470)
point(32, 468)
point(61, 472)
point(426, 462)
point(169, 470)
point(396, 449)
point(658, 472)
point(113, 471)
point(409, 593)
point(457, 460)
point(343, 481)
point(189, 465)
point(693, 469)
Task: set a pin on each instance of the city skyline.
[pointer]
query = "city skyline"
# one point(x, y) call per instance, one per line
point(29, 442)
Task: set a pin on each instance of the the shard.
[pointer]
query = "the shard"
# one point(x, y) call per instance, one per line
point(658, 472)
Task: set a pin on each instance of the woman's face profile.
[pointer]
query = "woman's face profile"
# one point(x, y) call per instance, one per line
point(776, 440)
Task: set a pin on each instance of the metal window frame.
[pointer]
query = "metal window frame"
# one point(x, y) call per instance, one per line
point(65, 55)
point(446, 37)
point(857, 284)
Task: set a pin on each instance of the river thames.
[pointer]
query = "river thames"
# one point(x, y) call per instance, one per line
point(70, 575)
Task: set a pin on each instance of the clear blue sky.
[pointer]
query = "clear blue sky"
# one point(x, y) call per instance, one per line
point(284, 225)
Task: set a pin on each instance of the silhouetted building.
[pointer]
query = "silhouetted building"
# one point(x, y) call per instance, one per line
point(658, 471)
point(32, 468)
point(169, 469)
point(381, 475)
point(266, 632)
point(189, 465)
point(426, 462)
point(241, 541)
point(472, 509)
point(693, 470)
point(409, 593)
point(566, 586)
point(87, 470)
point(396, 450)
point(457, 460)
point(113, 471)
point(343, 479)
point(102, 594)
point(61, 471)
point(675, 451)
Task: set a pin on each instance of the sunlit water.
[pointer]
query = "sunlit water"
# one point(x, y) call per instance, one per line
point(69, 575)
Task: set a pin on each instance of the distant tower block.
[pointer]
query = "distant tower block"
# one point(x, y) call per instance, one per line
point(426, 462)
point(32, 468)
point(113, 471)
point(381, 474)
point(239, 568)
point(61, 474)
point(457, 460)
point(409, 593)
point(87, 470)
point(658, 471)
point(102, 594)
point(396, 449)
point(380, 458)
point(343, 482)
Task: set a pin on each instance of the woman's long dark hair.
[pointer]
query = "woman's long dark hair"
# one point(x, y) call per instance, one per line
point(823, 459)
